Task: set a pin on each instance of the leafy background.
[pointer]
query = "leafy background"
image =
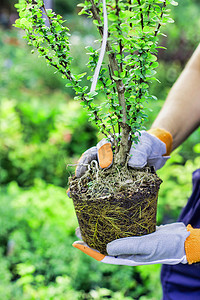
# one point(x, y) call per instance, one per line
point(42, 131)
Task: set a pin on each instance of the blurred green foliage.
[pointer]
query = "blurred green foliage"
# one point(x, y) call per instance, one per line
point(65, 6)
point(39, 122)
point(38, 141)
point(43, 130)
point(38, 259)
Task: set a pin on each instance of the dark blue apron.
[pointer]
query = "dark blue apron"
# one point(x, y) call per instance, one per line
point(182, 282)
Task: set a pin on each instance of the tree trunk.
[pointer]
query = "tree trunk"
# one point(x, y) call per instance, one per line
point(124, 148)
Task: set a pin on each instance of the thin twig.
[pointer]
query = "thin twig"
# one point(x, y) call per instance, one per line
point(141, 14)
point(161, 15)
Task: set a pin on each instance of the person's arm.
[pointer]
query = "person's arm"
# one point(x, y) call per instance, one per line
point(180, 114)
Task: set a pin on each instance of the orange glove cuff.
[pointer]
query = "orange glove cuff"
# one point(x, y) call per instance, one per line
point(192, 245)
point(165, 136)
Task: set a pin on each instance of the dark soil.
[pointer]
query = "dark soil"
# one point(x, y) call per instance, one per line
point(113, 203)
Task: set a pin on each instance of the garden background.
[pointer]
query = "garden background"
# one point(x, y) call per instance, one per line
point(42, 131)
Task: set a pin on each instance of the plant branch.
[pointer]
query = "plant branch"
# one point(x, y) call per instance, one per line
point(120, 35)
point(141, 14)
point(159, 25)
point(125, 129)
point(111, 55)
point(130, 9)
point(131, 62)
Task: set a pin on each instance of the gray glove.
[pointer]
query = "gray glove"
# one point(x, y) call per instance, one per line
point(149, 150)
point(85, 160)
point(164, 246)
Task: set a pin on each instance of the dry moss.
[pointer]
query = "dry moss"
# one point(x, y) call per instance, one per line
point(113, 203)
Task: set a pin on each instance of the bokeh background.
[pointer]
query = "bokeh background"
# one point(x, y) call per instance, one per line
point(43, 131)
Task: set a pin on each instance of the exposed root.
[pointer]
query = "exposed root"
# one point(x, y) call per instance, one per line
point(114, 203)
point(102, 183)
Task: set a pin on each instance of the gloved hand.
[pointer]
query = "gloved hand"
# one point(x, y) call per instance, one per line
point(169, 244)
point(153, 148)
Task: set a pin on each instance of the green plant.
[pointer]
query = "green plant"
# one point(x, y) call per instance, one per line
point(23, 82)
point(42, 263)
point(38, 140)
point(134, 28)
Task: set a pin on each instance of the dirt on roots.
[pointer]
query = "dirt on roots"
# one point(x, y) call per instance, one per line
point(114, 203)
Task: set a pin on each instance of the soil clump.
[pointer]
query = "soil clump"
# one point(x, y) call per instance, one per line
point(115, 203)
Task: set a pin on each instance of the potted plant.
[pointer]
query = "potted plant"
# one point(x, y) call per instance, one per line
point(119, 201)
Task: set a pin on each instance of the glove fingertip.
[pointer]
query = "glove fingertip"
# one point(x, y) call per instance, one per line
point(80, 170)
point(111, 249)
point(136, 163)
point(68, 193)
point(105, 155)
point(94, 254)
point(78, 233)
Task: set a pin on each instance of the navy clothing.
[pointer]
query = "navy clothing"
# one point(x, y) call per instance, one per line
point(182, 282)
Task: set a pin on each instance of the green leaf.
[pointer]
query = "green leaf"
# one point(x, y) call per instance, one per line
point(170, 20)
point(81, 5)
point(112, 17)
point(152, 57)
point(24, 23)
point(150, 73)
point(123, 74)
point(137, 72)
point(95, 22)
point(197, 148)
point(116, 73)
point(146, 29)
point(68, 85)
point(49, 12)
point(92, 94)
point(174, 3)
point(81, 75)
point(115, 77)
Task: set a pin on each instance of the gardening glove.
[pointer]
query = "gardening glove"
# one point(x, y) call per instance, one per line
point(153, 148)
point(101, 153)
point(169, 244)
